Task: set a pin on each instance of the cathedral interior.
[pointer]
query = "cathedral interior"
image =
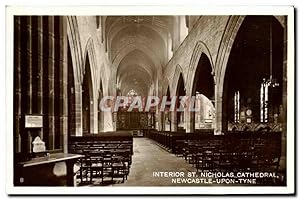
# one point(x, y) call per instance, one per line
point(64, 66)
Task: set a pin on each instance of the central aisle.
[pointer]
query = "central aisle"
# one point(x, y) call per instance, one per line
point(149, 158)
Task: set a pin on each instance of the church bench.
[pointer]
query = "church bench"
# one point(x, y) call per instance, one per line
point(105, 155)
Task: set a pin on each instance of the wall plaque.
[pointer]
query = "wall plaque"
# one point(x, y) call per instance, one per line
point(33, 121)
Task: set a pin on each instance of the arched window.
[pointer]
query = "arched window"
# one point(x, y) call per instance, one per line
point(237, 107)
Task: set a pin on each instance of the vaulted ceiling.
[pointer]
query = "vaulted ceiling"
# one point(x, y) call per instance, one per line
point(138, 47)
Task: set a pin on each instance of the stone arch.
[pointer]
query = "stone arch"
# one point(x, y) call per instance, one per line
point(77, 62)
point(227, 40)
point(90, 53)
point(75, 47)
point(165, 86)
point(200, 48)
point(201, 79)
point(229, 36)
point(90, 62)
point(173, 92)
point(174, 85)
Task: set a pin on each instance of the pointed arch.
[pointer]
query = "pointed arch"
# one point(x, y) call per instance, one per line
point(229, 35)
point(89, 54)
point(75, 61)
point(199, 50)
point(75, 47)
point(89, 100)
point(165, 87)
point(178, 72)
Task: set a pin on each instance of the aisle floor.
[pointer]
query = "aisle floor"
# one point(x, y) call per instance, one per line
point(149, 158)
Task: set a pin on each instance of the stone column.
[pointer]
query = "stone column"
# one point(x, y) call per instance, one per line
point(94, 114)
point(159, 120)
point(40, 66)
point(51, 85)
point(28, 78)
point(218, 103)
point(284, 101)
point(63, 80)
point(18, 84)
point(78, 108)
point(163, 119)
point(173, 121)
point(100, 113)
point(189, 121)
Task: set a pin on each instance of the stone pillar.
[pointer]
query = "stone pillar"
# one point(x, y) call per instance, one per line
point(218, 103)
point(51, 85)
point(18, 84)
point(40, 66)
point(189, 121)
point(99, 115)
point(174, 121)
point(78, 108)
point(159, 119)
point(94, 114)
point(284, 101)
point(63, 82)
point(163, 121)
point(28, 78)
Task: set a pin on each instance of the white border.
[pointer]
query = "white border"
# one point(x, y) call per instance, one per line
point(150, 10)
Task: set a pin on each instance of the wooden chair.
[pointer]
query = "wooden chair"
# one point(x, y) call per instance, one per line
point(96, 168)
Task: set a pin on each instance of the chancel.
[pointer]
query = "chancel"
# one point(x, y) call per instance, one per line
point(139, 100)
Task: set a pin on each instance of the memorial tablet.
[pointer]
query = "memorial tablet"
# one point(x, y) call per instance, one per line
point(33, 121)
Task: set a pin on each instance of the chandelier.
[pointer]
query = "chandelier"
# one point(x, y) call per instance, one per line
point(271, 81)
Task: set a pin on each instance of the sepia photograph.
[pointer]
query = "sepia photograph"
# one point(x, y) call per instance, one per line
point(111, 100)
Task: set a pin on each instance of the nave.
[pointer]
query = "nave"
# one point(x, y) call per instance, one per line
point(105, 94)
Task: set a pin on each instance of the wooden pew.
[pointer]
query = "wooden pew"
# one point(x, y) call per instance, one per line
point(105, 154)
